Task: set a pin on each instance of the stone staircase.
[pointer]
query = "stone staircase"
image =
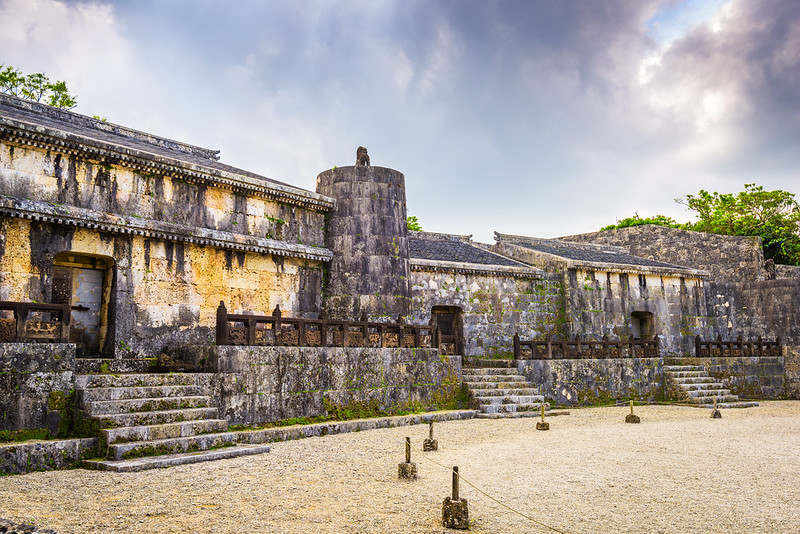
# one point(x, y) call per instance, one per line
point(701, 389)
point(501, 392)
point(151, 420)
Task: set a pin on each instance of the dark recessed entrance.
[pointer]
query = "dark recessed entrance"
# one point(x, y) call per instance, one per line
point(85, 282)
point(642, 325)
point(451, 330)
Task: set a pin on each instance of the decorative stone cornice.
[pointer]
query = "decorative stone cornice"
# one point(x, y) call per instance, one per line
point(421, 265)
point(133, 225)
point(106, 151)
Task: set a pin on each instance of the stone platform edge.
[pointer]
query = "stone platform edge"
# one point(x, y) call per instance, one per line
point(286, 433)
point(27, 456)
point(24, 457)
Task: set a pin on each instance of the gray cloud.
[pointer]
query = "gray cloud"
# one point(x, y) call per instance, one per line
point(526, 117)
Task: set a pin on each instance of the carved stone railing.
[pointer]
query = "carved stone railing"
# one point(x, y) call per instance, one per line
point(585, 349)
point(759, 347)
point(51, 325)
point(244, 329)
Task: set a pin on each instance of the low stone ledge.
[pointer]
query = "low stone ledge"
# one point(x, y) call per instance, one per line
point(27, 456)
point(287, 433)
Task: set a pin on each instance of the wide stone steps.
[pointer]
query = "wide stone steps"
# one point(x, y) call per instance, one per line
point(501, 392)
point(488, 371)
point(497, 385)
point(146, 404)
point(494, 378)
point(157, 420)
point(124, 393)
point(494, 392)
point(702, 390)
point(509, 399)
point(171, 460)
point(695, 380)
point(163, 431)
point(86, 382)
point(155, 447)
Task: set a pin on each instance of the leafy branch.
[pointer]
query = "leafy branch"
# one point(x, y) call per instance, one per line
point(36, 87)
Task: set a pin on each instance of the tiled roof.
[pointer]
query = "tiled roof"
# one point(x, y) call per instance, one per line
point(584, 254)
point(92, 129)
point(455, 250)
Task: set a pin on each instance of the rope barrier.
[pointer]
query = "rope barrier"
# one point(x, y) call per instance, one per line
point(479, 490)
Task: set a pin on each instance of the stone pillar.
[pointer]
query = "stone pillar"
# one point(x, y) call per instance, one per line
point(368, 236)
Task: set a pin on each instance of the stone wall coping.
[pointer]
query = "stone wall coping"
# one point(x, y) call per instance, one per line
point(678, 272)
point(417, 264)
point(435, 236)
point(134, 225)
point(140, 159)
point(515, 239)
point(656, 228)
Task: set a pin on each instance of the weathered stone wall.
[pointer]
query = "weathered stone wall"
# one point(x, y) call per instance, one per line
point(766, 308)
point(493, 306)
point(600, 298)
point(19, 458)
point(586, 382)
point(33, 377)
point(602, 302)
point(70, 180)
point(368, 235)
point(261, 384)
point(787, 271)
point(760, 378)
point(726, 258)
point(182, 232)
point(164, 294)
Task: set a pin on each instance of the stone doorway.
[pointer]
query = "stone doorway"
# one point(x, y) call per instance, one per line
point(642, 325)
point(85, 283)
point(451, 329)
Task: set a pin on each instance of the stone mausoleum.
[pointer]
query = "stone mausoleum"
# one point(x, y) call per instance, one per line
point(124, 254)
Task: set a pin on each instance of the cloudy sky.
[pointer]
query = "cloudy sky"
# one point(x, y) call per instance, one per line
point(541, 118)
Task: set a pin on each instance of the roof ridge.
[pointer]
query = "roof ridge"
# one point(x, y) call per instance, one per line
point(86, 121)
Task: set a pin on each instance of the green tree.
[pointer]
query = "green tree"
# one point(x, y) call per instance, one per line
point(37, 87)
point(413, 224)
point(774, 216)
point(660, 220)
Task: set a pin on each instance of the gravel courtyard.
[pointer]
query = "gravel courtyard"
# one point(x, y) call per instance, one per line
point(677, 471)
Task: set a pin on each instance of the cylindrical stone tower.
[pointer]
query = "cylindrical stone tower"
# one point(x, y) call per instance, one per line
point(368, 236)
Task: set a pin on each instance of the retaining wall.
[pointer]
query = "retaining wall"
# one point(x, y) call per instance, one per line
point(586, 382)
point(261, 384)
point(34, 377)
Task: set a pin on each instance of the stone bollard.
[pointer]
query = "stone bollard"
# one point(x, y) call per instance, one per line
point(630, 418)
point(542, 425)
point(430, 444)
point(716, 413)
point(407, 470)
point(455, 512)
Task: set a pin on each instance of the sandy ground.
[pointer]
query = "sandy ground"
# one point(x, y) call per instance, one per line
point(677, 471)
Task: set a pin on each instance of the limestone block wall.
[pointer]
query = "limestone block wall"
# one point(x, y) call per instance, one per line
point(72, 180)
point(760, 378)
point(163, 294)
point(602, 303)
point(261, 384)
point(368, 235)
point(586, 382)
point(787, 271)
point(766, 308)
point(726, 258)
point(34, 377)
point(493, 306)
point(180, 231)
